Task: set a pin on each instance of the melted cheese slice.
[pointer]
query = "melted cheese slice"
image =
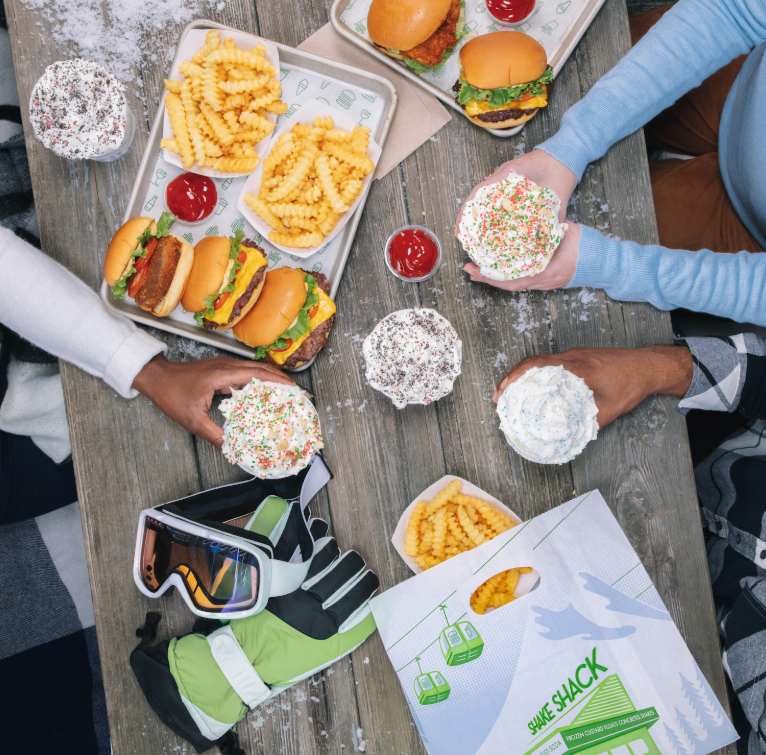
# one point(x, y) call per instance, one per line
point(474, 108)
point(255, 261)
point(325, 310)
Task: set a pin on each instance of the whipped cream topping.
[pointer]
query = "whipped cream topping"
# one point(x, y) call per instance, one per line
point(548, 415)
point(271, 430)
point(78, 109)
point(413, 356)
point(510, 229)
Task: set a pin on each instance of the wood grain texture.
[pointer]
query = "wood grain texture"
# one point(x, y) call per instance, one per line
point(129, 457)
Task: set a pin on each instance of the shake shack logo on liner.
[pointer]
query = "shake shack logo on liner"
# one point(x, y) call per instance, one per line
point(607, 720)
point(582, 678)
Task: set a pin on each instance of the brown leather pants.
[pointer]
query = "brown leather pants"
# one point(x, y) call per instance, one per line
point(693, 210)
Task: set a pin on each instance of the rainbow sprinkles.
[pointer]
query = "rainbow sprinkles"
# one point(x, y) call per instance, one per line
point(510, 229)
point(271, 430)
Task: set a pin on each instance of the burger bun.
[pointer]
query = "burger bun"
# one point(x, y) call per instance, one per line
point(211, 258)
point(122, 245)
point(501, 59)
point(404, 24)
point(282, 297)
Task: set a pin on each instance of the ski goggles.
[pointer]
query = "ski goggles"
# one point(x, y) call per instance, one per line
point(226, 571)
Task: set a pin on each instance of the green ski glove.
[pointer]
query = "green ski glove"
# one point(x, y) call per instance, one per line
point(203, 683)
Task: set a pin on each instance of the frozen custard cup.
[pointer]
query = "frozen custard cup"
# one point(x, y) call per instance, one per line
point(78, 110)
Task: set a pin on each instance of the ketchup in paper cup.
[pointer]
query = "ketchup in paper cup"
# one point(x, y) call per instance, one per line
point(511, 12)
point(191, 197)
point(413, 253)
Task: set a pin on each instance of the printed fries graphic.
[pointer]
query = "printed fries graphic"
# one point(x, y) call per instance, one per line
point(221, 108)
point(311, 178)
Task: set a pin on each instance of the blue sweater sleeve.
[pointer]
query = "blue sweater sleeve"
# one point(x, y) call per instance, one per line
point(727, 285)
point(691, 41)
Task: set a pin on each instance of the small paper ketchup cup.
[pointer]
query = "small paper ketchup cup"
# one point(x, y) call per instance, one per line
point(512, 12)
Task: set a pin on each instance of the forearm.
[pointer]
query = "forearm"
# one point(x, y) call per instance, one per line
point(67, 318)
point(691, 41)
point(726, 285)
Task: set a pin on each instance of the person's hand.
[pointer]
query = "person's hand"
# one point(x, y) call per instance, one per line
point(619, 378)
point(538, 166)
point(184, 390)
point(557, 274)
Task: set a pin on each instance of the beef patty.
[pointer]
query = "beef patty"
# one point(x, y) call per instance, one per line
point(244, 297)
point(316, 340)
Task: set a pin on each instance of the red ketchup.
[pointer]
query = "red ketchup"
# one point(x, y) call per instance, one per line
point(510, 11)
point(191, 197)
point(413, 253)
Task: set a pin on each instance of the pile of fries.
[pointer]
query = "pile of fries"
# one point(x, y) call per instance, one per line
point(310, 179)
point(497, 590)
point(453, 523)
point(220, 109)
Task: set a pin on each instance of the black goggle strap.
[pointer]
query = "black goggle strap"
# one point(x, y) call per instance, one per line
point(212, 508)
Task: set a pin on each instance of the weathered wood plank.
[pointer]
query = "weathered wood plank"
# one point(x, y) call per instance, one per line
point(382, 457)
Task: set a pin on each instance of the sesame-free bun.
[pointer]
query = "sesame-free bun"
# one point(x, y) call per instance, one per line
point(512, 120)
point(178, 283)
point(283, 295)
point(211, 258)
point(501, 59)
point(404, 24)
point(122, 245)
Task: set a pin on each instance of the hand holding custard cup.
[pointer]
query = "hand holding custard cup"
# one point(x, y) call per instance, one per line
point(554, 259)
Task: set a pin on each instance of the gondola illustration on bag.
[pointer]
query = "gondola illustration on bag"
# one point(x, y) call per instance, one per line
point(430, 688)
point(459, 642)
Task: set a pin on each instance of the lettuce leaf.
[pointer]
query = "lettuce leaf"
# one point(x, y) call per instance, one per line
point(121, 286)
point(503, 95)
point(302, 323)
point(235, 249)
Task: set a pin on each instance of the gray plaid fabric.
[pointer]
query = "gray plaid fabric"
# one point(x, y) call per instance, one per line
point(729, 377)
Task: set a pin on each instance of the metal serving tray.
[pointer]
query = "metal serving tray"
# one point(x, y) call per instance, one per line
point(563, 50)
point(289, 56)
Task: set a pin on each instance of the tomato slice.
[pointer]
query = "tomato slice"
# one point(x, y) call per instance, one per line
point(136, 281)
point(138, 278)
point(221, 300)
point(242, 257)
point(313, 311)
point(526, 96)
point(289, 342)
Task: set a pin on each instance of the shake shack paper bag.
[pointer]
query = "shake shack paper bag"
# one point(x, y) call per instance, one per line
point(588, 661)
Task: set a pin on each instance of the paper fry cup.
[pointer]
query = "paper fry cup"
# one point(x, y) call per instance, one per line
point(191, 43)
point(305, 115)
point(468, 488)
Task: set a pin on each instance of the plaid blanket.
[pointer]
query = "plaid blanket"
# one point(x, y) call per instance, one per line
point(730, 376)
point(53, 699)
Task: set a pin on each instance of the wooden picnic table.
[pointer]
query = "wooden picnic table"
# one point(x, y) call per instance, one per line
point(129, 457)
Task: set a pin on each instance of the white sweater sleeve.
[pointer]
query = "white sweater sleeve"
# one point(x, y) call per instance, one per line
point(68, 319)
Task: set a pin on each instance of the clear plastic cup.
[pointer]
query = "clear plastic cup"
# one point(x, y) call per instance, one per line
point(127, 142)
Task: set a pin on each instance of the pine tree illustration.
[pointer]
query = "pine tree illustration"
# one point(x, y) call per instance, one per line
point(699, 697)
point(675, 741)
point(692, 744)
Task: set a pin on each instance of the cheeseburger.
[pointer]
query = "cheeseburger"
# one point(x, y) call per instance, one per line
point(225, 282)
point(291, 319)
point(151, 266)
point(504, 79)
point(422, 33)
